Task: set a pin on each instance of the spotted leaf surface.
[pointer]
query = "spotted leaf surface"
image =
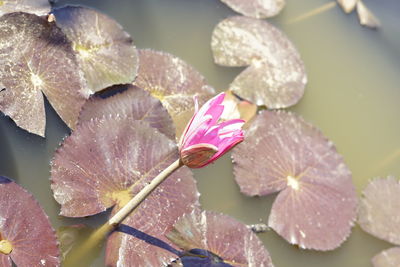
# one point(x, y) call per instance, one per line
point(229, 240)
point(316, 206)
point(26, 227)
point(174, 83)
point(276, 75)
point(37, 58)
point(105, 52)
point(38, 7)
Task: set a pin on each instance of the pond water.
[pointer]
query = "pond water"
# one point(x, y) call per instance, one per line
point(352, 95)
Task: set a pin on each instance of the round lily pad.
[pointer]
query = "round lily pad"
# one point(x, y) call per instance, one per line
point(276, 75)
point(174, 83)
point(259, 9)
point(387, 258)
point(316, 206)
point(133, 102)
point(25, 228)
point(225, 239)
point(105, 52)
point(37, 57)
point(37, 7)
point(379, 209)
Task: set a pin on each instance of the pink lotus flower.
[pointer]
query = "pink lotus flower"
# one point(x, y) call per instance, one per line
point(205, 138)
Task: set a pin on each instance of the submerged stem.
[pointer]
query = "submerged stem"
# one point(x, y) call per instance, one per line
point(98, 236)
point(314, 12)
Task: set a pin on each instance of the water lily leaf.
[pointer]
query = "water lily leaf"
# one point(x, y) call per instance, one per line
point(234, 108)
point(174, 83)
point(276, 76)
point(387, 258)
point(25, 226)
point(379, 209)
point(225, 239)
point(104, 163)
point(316, 206)
point(133, 102)
point(38, 7)
point(105, 52)
point(259, 9)
point(366, 17)
point(36, 57)
point(348, 5)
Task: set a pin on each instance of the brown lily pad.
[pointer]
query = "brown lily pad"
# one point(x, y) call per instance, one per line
point(174, 83)
point(106, 54)
point(228, 239)
point(387, 258)
point(104, 163)
point(276, 76)
point(259, 9)
point(379, 209)
point(37, 7)
point(134, 103)
point(36, 57)
point(316, 206)
point(25, 227)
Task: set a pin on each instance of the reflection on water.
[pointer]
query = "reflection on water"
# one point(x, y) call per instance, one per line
point(352, 96)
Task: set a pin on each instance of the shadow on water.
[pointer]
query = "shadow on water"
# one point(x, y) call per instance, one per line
point(7, 158)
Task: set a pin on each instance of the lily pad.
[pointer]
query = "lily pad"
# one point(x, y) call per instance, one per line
point(366, 17)
point(387, 258)
point(316, 206)
point(37, 7)
point(25, 228)
point(276, 76)
point(225, 239)
point(174, 83)
point(259, 9)
point(36, 57)
point(133, 102)
point(104, 163)
point(379, 209)
point(348, 5)
point(105, 52)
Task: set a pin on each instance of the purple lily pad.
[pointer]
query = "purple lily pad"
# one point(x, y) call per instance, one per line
point(25, 226)
point(174, 83)
point(316, 206)
point(276, 76)
point(387, 258)
point(37, 7)
point(104, 163)
point(36, 57)
point(133, 102)
point(379, 209)
point(259, 9)
point(229, 240)
point(106, 53)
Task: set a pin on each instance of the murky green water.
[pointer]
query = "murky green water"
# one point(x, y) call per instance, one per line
point(352, 96)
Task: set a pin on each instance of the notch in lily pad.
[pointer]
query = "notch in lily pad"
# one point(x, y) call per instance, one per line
point(275, 76)
point(316, 204)
point(26, 236)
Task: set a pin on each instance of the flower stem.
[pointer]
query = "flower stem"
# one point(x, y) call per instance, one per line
point(139, 197)
point(81, 251)
point(314, 12)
